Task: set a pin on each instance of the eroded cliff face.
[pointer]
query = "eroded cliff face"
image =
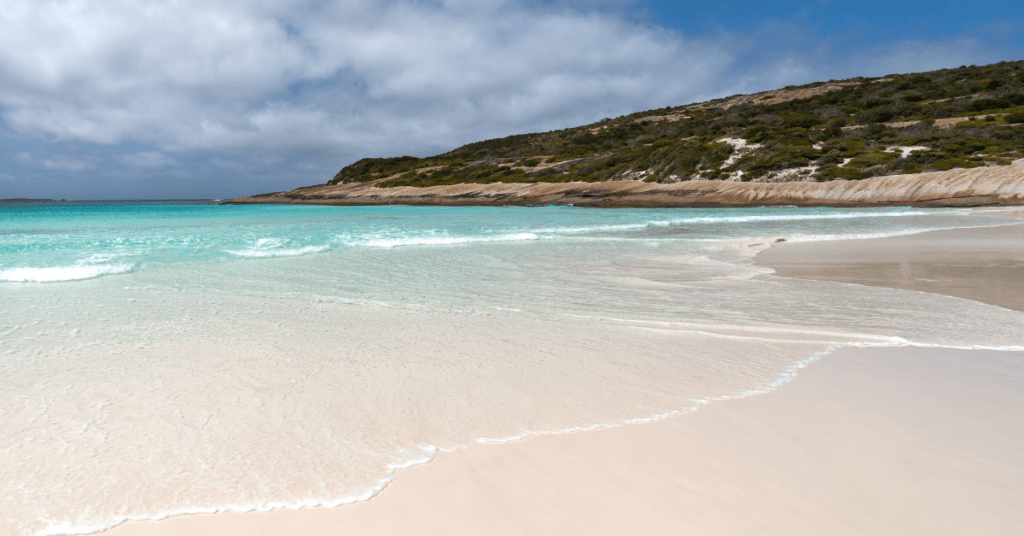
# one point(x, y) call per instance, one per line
point(1002, 185)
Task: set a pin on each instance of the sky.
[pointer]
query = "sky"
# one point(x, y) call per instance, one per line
point(120, 99)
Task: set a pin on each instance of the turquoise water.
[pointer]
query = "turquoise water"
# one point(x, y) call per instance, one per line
point(67, 241)
point(163, 359)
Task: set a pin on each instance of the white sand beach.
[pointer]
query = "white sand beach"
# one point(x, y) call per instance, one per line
point(896, 440)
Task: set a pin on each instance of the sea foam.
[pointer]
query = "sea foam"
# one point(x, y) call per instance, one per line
point(61, 273)
point(432, 240)
point(260, 253)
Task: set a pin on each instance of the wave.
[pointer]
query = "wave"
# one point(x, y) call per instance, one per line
point(613, 227)
point(269, 247)
point(443, 240)
point(863, 236)
point(61, 273)
point(800, 217)
point(276, 247)
point(754, 218)
point(535, 234)
point(267, 252)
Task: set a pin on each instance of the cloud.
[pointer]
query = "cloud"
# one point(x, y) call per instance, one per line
point(146, 160)
point(222, 163)
point(222, 75)
point(296, 88)
point(58, 161)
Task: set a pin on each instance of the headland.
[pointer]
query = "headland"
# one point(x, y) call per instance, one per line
point(986, 186)
point(941, 138)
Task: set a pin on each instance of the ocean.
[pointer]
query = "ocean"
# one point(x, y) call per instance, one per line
point(170, 358)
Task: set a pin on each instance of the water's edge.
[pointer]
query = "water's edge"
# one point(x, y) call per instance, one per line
point(431, 451)
point(230, 292)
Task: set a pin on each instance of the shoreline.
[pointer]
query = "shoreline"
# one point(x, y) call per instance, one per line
point(985, 186)
point(619, 479)
point(575, 470)
point(932, 261)
point(796, 461)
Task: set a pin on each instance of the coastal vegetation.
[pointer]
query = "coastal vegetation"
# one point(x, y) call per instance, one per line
point(852, 129)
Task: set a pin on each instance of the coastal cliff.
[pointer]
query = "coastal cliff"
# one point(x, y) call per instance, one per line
point(999, 185)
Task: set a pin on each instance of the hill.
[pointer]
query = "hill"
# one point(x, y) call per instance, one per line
point(982, 186)
point(852, 129)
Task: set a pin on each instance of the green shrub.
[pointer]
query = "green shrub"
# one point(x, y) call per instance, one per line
point(798, 155)
point(849, 147)
point(563, 157)
point(374, 168)
point(835, 172)
point(831, 158)
point(875, 116)
point(757, 133)
point(801, 120)
point(1008, 133)
point(833, 145)
point(914, 81)
point(950, 163)
point(833, 131)
point(760, 167)
point(543, 173)
point(981, 105)
point(964, 146)
point(872, 158)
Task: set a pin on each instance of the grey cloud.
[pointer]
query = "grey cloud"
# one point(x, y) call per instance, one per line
point(58, 161)
point(222, 163)
point(204, 75)
point(294, 89)
point(147, 160)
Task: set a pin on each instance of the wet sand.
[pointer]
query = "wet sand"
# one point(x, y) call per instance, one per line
point(899, 440)
point(981, 264)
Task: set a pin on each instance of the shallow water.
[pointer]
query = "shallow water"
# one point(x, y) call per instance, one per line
point(164, 359)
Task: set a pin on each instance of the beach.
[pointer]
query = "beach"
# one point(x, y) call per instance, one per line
point(866, 440)
point(985, 265)
point(515, 269)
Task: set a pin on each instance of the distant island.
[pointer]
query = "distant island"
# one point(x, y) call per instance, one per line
point(27, 200)
point(941, 138)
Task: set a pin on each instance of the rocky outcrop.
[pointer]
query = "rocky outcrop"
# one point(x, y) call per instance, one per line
point(1003, 185)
